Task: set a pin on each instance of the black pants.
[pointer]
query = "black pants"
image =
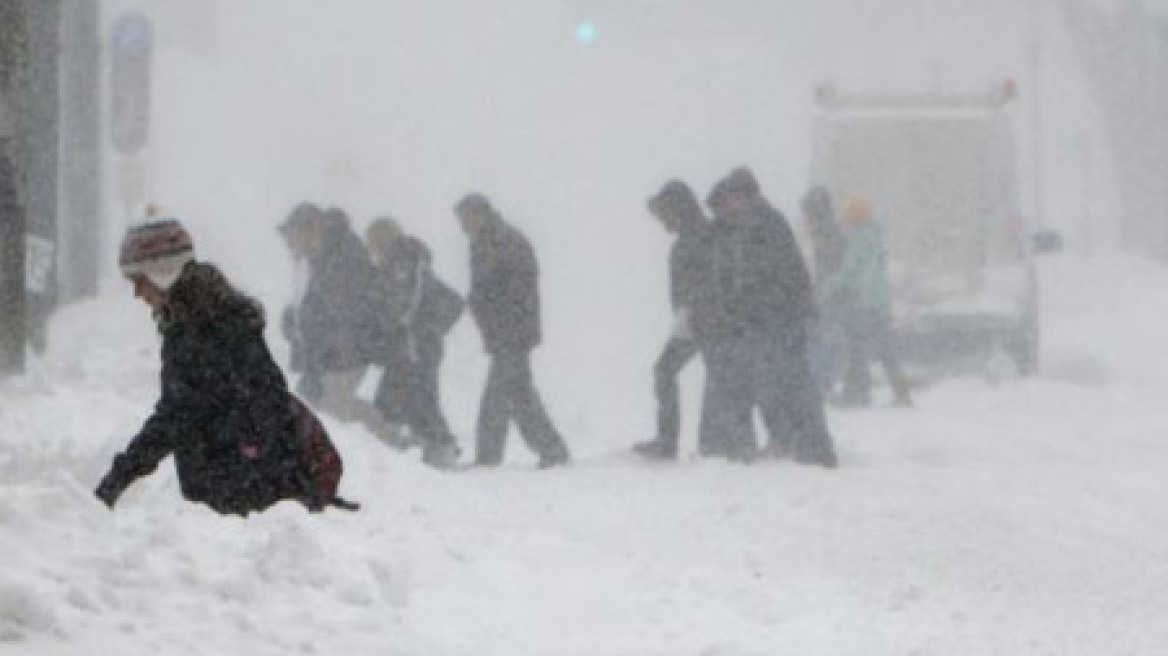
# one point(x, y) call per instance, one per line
point(510, 395)
point(725, 428)
point(677, 354)
point(797, 423)
point(409, 389)
point(767, 368)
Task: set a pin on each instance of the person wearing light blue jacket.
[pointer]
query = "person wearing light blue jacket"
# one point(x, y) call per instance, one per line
point(861, 282)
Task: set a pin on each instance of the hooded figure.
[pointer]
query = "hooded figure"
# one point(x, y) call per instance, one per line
point(677, 209)
point(757, 354)
point(240, 441)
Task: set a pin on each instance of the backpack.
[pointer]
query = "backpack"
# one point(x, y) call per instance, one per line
point(319, 462)
point(441, 306)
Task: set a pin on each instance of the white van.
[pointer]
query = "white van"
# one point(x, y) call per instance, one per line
point(942, 176)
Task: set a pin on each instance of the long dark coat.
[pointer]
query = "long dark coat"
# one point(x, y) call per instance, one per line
point(225, 413)
point(758, 276)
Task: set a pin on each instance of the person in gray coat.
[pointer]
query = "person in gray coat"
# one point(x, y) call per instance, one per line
point(504, 301)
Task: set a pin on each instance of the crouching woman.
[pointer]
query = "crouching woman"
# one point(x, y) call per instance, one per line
point(241, 442)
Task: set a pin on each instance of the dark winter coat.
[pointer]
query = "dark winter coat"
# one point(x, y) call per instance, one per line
point(758, 276)
point(504, 288)
point(225, 413)
point(689, 260)
point(335, 322)
point(411, 295)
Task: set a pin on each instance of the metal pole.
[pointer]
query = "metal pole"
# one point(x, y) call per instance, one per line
point(13, 83)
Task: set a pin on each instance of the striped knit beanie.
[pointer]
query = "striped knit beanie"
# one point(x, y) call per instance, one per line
point(157, 249)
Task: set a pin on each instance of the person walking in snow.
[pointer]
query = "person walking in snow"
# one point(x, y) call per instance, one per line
point(504, 301)
point(418, 310)
point(332, 324)
point(241, 442)
point(826, 238)
point(759, 354)
point(862, 280)
point(680, 213)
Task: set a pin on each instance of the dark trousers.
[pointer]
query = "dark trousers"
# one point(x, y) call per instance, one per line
point(510, 395)
point(409, 389)
point(677, 354)
point(767, 368)
point(725, 428)
point(869, 336)
point(796, 420)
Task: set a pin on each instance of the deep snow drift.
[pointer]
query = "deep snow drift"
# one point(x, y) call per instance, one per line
point(1011, 516)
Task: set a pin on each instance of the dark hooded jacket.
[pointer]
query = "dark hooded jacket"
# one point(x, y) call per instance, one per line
point(225, 413)
point(504, 288)
point(689, 256)
point(759, 277)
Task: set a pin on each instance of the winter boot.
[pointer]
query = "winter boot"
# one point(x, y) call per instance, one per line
point(557, 458)
point(443, 455)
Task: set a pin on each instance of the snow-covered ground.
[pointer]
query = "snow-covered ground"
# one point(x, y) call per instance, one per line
point(1009, 517)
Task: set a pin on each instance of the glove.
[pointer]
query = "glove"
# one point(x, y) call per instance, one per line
point(681, 324)
point(107, 492)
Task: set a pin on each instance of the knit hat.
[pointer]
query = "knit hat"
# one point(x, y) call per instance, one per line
point(739, 182)
point(157, 249)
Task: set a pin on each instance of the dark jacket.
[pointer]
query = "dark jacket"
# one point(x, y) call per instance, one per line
point(400, 275)
point(504, 288)
point(689, 259)
point(410, 296)
point(336, 320)
point(225, 412)
point(758, 276)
